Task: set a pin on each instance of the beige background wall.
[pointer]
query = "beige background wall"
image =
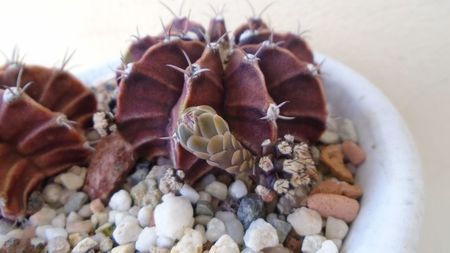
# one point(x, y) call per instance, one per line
point(403, 46)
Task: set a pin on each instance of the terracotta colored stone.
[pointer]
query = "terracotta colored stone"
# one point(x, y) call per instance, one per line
point(333, 158)
point(353, 152)
point(338, 187)
point(337, 206)
point(110, 165)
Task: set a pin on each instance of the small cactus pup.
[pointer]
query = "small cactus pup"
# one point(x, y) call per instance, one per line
point(207, 135)
point(247, 101)
point(292, 83)
point(35, 143)
point(55, 89)
point(148, 93)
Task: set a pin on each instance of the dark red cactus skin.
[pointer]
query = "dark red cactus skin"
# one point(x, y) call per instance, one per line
point(290, 41)
point(289, 79)
point(138, 48)
point(147, 95)
point(253, 24)
point(204, 89)
point(185, 28)
point(55, 89)
point(34, 144)
point(246, 102)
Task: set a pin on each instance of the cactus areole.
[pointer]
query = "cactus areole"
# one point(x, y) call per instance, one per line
point(211, 101)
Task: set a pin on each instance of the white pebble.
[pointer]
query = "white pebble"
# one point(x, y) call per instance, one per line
point(105, 245)
point(336, 228)
point(59, 221)
point(35, 241)
point(3, 239)
point(73, 217)
point(238, 189)
point(145, 216)
point(43, 216)
point(85, 211)
point(58, 245)
point(217, 189)
point(329, 137)
point(204, 196)
point(134, 211)
point(127, 248)
point(215, 229)
point(53, 232)
point(15, 233)
point(126, 232)
point(98, 219)
point(120, 201)
point(201, 229)
point(71, 181)
point(234, 227)
point(191, 242)
point(146, 239)
point(305, 221)
point(312, 243)
point(164, 242)
point(225, 244)
point(337, 242)
point(328, 246)
point(347, 130)
point(173, 216)
point(125, 217)
point(188, 192)
point(40, 231)
point(85, 245)
point(52, 193)
point(79, 227)
point(260, 235)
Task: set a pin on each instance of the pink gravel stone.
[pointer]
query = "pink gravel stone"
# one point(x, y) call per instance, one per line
point(337, 206)
point(353, 152)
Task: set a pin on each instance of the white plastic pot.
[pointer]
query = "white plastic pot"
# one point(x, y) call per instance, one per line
point(392, 206)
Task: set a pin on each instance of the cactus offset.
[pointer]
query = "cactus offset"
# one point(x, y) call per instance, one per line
point(207, 135)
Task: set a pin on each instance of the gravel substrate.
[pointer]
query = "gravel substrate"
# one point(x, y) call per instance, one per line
point(301, 199)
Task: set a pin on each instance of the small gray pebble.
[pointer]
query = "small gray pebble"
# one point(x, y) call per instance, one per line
point(283, 228)
point(204, 208)
point(251, 208)
point(76, 201)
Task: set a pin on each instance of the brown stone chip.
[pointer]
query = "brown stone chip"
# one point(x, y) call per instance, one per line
point(110, 165)
point(353, 152)
point(333, 157)
point(337, 206)
point(338, 187)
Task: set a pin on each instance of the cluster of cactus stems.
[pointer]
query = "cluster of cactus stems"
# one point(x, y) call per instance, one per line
point(203, 97)
point(43, 113)
point(260, 84)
